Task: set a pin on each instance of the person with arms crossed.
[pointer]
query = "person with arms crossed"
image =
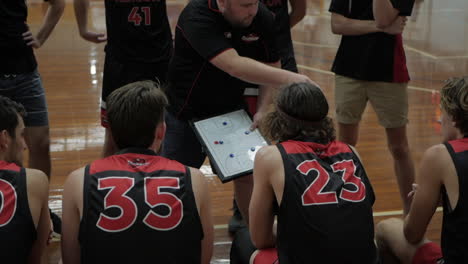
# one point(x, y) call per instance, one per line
point(24, 193)
point(139, 46)
point(443, 175)
point(136, 206)
point(370, 65)
point(316, 186)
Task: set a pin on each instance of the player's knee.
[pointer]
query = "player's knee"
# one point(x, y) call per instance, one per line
point(387, 226)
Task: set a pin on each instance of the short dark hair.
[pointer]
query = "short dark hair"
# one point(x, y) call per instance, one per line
point(454, 100)
point(134, 111)
point(300, 112)
point(9, 111)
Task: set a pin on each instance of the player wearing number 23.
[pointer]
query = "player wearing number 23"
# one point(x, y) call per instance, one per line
point(319, 184)
point(136, 206)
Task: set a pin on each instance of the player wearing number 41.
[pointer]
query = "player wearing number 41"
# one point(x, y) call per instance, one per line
point(24, 214)
point(443, 175)
point(136, 206)
point(139, 46)
point(316, 185)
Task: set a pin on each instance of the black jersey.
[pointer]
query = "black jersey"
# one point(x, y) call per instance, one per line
point(454, 237)
point(197, 88)
point(15, 56)
point(139, 208)
point(375, 56)
point(138, 31)
point(325, 215)
point(17, 230)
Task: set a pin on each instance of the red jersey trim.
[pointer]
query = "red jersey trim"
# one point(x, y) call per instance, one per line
point(9, 166)
point(459, 145)
point(400, 70)
point(133, 162)
point(301, 147)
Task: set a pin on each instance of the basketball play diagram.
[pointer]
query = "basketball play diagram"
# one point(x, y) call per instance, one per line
point(230, 143)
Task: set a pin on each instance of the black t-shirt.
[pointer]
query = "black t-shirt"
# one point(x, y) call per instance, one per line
point(454, 236)
point(281, 12)
point(15, 56)
point(139, 207)
point(325, 215)
point(374, 56)
point(138, 31)
point(197, 88)
point(17, 230)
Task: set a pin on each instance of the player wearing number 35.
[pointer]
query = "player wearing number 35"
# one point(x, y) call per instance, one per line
point(323, 195)
point(139, 46)
point(24, 214)
point(136, 206)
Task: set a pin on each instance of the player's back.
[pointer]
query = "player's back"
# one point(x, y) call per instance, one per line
point(17, 230)
point(454, 237)
point(139, 208)
point(325, 215)
point(138, 31)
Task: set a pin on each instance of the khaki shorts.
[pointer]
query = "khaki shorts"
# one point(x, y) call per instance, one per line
point(389, 100)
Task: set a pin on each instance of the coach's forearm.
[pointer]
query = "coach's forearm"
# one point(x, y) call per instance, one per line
point(256, 72)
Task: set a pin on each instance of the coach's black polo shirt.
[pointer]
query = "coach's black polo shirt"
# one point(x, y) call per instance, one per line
point(197, 88)
point(15, 56)
point(375, 56)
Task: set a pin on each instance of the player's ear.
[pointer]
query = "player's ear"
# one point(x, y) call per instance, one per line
point(160, 131)
point(4, 139)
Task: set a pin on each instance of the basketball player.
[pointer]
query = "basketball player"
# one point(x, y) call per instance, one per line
point(443, 175)
point(136, 206)
point(316, 185)
point(139, 46)
point(24, 214)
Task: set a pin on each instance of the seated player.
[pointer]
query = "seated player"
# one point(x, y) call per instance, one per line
point(136, 206)
point(24, 213)
point(316, 185)
point(443, 174)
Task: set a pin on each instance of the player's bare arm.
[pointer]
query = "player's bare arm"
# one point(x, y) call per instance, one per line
point(54, 12)
point(203, 200)
point(384, 13)
point(427, 196)
point(342, 25)
point(298, 11)
point(252, 71)
point(81, 13)
point(261, 217)
point(72, 206)
point(38, 196)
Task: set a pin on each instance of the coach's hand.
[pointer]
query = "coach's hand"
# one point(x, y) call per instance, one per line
point(300, 78)
point(257, 118)
point(93, 36)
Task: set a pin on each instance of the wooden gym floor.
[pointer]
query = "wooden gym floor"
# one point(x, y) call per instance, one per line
point(436, 43)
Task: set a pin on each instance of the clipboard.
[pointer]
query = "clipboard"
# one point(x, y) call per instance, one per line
point(229, 143)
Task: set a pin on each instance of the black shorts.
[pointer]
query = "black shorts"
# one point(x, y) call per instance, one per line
point(118, 74)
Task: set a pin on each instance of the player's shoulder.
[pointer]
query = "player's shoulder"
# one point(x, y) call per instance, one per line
point(37, 182)
point(268, 154)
